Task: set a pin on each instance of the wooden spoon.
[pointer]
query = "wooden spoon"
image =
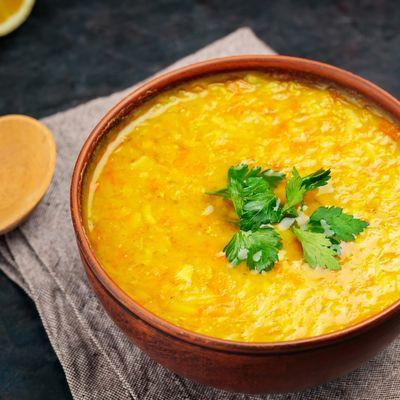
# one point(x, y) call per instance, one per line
point(27, 161)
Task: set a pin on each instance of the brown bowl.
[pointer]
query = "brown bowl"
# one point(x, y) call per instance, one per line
point(242, 367)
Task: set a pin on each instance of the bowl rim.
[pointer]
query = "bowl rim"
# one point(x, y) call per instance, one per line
point(295, 65)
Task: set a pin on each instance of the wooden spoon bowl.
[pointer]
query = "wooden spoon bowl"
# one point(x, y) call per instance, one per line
point(28, 155)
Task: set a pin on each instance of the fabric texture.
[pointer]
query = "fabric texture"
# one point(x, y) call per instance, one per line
point(98, 360)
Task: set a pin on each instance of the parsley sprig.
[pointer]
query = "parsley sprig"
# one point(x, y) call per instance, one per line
point(335, 224)
point(296, 187)
point(258, 208)
point(259, 248)
point(317, 249)
point(252, 195)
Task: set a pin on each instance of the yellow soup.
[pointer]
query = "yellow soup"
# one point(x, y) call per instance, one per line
point(159, 236)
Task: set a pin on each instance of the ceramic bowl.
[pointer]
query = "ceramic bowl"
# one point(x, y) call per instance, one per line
point(241, 367)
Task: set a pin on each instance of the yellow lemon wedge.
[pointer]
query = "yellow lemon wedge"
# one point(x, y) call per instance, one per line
point(13, 13)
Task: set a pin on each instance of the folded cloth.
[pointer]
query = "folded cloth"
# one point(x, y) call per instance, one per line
point(98, 360)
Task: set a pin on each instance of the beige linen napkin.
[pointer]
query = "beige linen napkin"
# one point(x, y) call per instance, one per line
point(99, 362)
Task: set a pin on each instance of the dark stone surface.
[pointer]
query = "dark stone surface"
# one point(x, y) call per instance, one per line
point(29, 368)
point(70, 51)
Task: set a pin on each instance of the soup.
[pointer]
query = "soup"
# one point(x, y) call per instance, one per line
point(159, 235)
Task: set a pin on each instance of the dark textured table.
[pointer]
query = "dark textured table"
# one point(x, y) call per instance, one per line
point(70, 51)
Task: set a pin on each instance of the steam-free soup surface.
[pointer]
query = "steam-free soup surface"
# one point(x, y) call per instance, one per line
point(159, 236)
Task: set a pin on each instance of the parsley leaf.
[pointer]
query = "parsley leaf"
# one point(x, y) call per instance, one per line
point(259, 248)
point(317, 179)
point(294, 190)
point(234, 191)
point(317, 249)
point(260, 205)
point(273, 178)
point(241, 172)
point(250, 191)
point(336, 224)
point(296, 187)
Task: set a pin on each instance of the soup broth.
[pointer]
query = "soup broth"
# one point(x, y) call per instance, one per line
point(159, 236)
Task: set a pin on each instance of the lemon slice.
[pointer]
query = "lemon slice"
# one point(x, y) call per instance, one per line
point(13, 13)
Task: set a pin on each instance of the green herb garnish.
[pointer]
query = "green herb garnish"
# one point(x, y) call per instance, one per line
point(258, 208)
point(259, 248)
point(296, 187)
point(317, 249)
point(260, 205)
point(250, 191)
point(241, 173)
point(334, 223)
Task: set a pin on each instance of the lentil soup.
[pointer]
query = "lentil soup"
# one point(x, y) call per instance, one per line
point(159, 236)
